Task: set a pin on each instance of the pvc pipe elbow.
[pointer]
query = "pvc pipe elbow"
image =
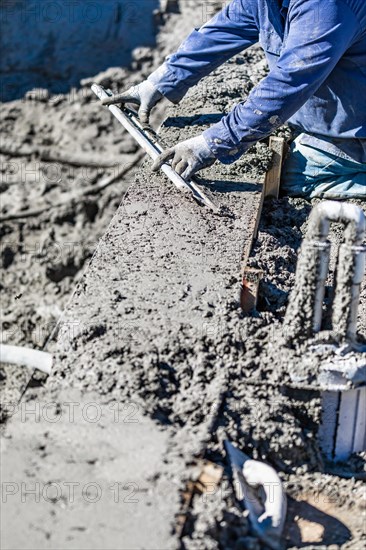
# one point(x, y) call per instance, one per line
point(339, 212)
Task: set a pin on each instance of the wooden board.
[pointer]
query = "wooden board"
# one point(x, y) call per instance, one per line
point(273, 176)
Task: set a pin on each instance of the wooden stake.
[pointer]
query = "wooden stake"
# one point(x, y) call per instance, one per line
point(208, 480)
point(250, 288)
point(272, 180)
point(273, 176)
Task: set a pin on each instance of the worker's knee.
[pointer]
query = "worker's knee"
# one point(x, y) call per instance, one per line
point(342, 187)
point(310, 172)
point(302, 169)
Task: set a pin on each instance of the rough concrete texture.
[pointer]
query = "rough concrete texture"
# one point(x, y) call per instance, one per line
point(64, 34)
point(13, 382)
point(301, 316)
point(145, 322)
point(57, 154)
point(305, 314)
point(345, 295)
point(210, 374)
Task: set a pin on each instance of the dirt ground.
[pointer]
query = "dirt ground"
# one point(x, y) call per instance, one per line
point(66, 166)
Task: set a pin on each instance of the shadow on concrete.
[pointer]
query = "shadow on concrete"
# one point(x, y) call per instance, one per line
point(309, 525)
point(203, 119)
point(54, 44)
point(227, 186)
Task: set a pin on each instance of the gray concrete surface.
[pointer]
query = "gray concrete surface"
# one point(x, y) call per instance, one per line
point(54, 44)
point(76, 474)
point(137, 332)
point(187, 365)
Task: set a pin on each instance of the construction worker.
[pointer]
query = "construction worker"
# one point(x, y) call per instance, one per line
point(316, 51)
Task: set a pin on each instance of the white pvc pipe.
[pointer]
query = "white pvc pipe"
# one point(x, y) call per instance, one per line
point(258, 473)
point(339, 212)
point(319, 223)
point(26, 357)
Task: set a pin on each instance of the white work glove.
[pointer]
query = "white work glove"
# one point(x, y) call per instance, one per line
point(146, 95)
point(189, 157)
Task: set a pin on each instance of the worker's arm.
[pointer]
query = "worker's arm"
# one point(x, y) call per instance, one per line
point(319, 34)
point(231, 31)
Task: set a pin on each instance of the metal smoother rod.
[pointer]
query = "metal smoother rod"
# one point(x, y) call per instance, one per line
point(152, 148)
point(191, 186)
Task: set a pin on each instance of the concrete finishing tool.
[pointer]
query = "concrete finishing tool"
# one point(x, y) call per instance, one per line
point(149, 141)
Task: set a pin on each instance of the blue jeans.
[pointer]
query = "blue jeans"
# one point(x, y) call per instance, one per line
point(310, 172)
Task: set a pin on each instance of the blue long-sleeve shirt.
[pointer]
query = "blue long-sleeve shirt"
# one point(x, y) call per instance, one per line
point(316, 50)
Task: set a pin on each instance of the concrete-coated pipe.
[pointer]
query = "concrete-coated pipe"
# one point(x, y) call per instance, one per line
point(305, 309)
point(304, 313)
point(350, 274)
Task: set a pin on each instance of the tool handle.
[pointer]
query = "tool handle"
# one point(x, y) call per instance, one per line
point(152, 148)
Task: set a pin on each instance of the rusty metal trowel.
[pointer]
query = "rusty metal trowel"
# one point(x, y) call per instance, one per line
point(259, 490)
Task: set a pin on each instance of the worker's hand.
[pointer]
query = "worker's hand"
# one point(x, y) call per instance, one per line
point(189, 157)
point(146, 95)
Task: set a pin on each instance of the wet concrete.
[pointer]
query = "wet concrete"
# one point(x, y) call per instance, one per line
point(303, 315)
point(200, 370)
point(53, 45)
point(145, 324)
